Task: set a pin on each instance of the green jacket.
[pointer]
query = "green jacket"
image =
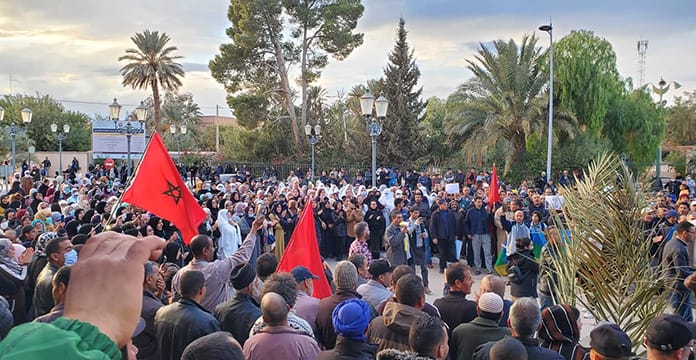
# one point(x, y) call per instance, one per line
point(466, 337)
point(61, 339)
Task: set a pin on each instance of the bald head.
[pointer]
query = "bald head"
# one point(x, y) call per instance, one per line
point(275, 309)
point(494, 284)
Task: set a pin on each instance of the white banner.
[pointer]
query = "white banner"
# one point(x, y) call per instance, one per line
point(109, 142)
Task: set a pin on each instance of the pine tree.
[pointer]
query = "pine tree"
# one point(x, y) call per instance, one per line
point(400, 140)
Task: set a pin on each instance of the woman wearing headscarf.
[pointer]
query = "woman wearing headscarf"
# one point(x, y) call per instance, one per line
point(157, 226)
point(275, 218)
point(12, 278)
point(39, 260)
point(230, 234)
point(560, 331)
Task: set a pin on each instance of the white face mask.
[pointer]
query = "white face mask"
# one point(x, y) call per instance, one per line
point(4, 225)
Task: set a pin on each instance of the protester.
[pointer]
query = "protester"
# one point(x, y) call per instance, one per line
point(485, 327)
point(153, 284)
point(350, 319)
point(60, 282)
point(675, 266)
point(391, 330)
point(524, 321)
point(237, 315)
point(278, 338)
point(508, 349)
point(454, 307)
point(360, 262)
point(560, 331)
point(670, 337)
point(56, 251)
point(306, 306)
point(346, 279)
point(216, 272)
point(219, 345)
point(609, 342)
point(181, 323)
point(375, 290)
point(496, 284)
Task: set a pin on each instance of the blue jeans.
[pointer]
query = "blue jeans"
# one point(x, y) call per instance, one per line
point(681, 303)
point(428, 255)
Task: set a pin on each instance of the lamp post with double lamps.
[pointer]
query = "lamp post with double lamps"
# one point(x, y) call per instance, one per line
point(26, 119)
point(661, 89)
point(178, 136)
point(373, 123)
point(129, 129)
point(61, 136)
point(313, 135)
point(549, 29)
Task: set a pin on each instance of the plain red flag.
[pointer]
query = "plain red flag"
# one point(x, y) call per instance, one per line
point(158, 188)
point(494, 194)
point(304, 250)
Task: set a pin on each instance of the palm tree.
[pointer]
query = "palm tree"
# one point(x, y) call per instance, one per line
point(151, 65)
point(504, 100)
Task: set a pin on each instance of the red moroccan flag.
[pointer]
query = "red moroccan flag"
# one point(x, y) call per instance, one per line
point(304, 250)
point(158, 188)
point(494, 194)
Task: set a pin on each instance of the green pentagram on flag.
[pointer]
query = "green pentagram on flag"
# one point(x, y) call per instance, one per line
point(173, 191)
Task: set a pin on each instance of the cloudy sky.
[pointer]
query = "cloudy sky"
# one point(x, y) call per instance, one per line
point(69, 49)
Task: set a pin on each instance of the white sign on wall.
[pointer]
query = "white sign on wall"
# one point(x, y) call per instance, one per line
point(108, 142)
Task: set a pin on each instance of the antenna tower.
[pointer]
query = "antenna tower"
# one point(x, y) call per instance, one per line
point(642, 50)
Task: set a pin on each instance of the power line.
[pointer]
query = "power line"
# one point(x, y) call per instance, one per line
point(85, 102)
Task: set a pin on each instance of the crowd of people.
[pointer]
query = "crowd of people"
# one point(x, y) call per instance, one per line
point(83, 275)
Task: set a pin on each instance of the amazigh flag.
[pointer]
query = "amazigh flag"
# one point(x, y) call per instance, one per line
point(493, 195)
point(501, 262)
point(158, 188)
point(303, 249)
point(538, 240)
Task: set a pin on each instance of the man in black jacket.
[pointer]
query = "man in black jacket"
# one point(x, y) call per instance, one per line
point(186, 320)
point(675, 264)
point(146, 341)
point(455, 308)
point(238, 314)
point(443, 231)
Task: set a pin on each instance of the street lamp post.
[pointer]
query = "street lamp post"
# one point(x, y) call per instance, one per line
point(313, 135)
point(129, 129)
point(61, 136)
point(26, 119)
point(373, 124)
point(549, 29)
point(179, 136)
point(662, 88)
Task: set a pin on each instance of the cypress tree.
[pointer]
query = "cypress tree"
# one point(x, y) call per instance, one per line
point(400, 140)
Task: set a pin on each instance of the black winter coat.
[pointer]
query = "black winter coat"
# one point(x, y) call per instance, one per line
point(530, 273)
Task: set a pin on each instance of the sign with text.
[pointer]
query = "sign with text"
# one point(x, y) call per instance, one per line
point(109, 142)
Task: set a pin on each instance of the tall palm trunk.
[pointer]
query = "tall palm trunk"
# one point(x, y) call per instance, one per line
point(156, 99)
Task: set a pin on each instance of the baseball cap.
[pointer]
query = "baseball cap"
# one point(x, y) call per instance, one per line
point(669, 332)
point(301, 273)
point(379, 267)
point(671, 213)
point(609, 340)
point(693, 202)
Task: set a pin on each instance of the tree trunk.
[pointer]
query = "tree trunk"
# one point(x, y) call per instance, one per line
point(518, 148)
point(285, 83)
point(157, 104)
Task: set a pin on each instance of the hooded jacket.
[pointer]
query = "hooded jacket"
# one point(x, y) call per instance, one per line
point(390, 331)
point(391, 354)
point(560, 333)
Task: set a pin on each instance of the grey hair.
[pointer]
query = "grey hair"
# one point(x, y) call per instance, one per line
point(150, 268)
point(5, 245)
point(525, 317)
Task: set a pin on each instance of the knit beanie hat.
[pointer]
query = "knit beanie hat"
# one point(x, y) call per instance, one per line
point(345, 275)
point(350, 319)
point(491, 303)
